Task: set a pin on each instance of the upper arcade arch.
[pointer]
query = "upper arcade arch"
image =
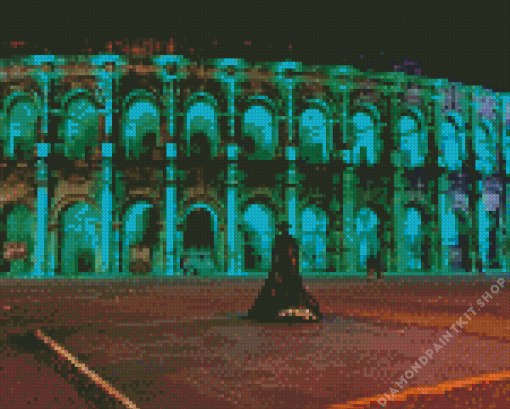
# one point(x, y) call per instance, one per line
point(315, 132)
point(201, 116)
point(80, 126)
point(21, 112)
point(260, 125)
point(485, 147)
point(140, 120)
point(452, 142)
point(364, 130)
point(413, 142)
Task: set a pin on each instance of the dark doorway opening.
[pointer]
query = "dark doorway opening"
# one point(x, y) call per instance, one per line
point(199, 230)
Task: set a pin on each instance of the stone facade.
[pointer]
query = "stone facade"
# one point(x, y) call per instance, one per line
point(164, 166)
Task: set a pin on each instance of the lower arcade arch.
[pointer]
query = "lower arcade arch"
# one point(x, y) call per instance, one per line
point(140, 237)
point(198, 244)
point(314, 224)
point(258, 229)
point(79, 230)
point(18, 225)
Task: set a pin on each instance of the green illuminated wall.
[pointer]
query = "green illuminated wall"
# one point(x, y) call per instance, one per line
point(126, 167)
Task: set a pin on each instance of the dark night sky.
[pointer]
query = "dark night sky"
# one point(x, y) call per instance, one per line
point(464, 41)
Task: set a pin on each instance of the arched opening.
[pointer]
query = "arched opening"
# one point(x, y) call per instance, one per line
point(258, 227)
point(313, 240)
point(312, 132)
point(198, 243)
point(413, 239)
point(16, 239)
point(488, 209)
point(486, 148)
point(140, 236)
point(5, 259)
point(79, 130)
point(413, 142)
point(452, 143)
point(78, 238)
point(199, 230)
point(20, 131)
point(201, 121)
point(140, 129)
point(365, 149)
point(258, 135)
point(367, 243)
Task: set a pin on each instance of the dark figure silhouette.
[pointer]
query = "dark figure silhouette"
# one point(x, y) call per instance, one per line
point(283, 298)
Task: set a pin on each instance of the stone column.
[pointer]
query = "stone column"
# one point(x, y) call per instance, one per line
point(285, 81)
point(478, 217)
point(233, 234)
point(399, 263)
point(168, 72)
point(401, 258)
point(106, 70)
point(291, 191)
point(106, 206)
point(446, 217)
point(43, 78)
point(349, 193)
point(350, 261)
point(52, 246)
point(229, 72)
point(120, 194)
point(485, 224)
point(431, 103)
point(489, 188)
point(337, 236)
point(447, 221)
point(40, 264)
point(171, 209)
point(335, 241)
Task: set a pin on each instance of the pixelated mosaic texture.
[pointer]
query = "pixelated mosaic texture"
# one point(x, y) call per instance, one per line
point(165, 166)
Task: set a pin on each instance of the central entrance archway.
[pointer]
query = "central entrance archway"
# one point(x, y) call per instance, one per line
point(198, 242)
point(199, 229)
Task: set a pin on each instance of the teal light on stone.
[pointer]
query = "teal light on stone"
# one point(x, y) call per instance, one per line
point(278, 132)
point(171, 150)
point(107, 150)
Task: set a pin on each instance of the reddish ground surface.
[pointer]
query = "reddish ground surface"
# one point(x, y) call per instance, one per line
point(183, 346)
